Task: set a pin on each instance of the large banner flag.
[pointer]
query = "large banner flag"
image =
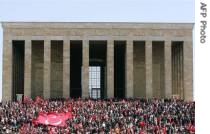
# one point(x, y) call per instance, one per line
point(52, 118)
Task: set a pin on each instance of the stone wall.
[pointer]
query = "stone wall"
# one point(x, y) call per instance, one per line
point(56, 69)
point(177, 69)
point(37, 69)
point(139, 69)
point(100, 29)
point(158, 69)
point(148, 64)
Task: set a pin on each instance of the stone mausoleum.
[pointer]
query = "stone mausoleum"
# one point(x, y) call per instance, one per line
point(97, 60)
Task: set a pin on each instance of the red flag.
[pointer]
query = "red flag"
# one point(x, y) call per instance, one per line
point(69, 107)
point(192, 128)
point(142, 124)
point(142, 132)
point(26, 99)
point(52, 118)
point(164, 130)
point(38, 99)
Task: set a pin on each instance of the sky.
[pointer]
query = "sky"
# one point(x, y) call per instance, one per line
point(94, 11)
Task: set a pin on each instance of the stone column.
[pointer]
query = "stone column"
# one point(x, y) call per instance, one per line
point(47, 63)
point(167, 69)
point(110, 69)
point(148, 64)
point(7, 70)
point(178, 72)
point(27, 68)
point(175, 72)
point(188, 70)
point(66, 68)
point(129, 69)
point(181, 73)
point(85, 69)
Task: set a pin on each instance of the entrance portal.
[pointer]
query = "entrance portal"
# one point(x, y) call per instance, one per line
point(75, 68)
point(97, 67)
point(119, 69)
point(18, 69)
point(95, 82)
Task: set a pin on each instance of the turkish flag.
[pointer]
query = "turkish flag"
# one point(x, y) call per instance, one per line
point(52, 118)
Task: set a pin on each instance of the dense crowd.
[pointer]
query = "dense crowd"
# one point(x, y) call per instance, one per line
point(110, 116)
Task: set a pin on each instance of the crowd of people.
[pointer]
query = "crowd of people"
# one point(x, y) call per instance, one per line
point(103, 116)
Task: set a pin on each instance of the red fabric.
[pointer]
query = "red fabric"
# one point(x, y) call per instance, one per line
point(164, 130)
point(191, 128)
point(38, 100)
point(142, 124)
point(52, 118)
point(26, 99)
point(142, 132)
point(69, 108)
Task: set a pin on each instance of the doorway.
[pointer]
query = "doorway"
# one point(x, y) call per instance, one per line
point(95, 82)
point(97, 67)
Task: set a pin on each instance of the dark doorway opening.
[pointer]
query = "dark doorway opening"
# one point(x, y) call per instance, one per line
point(119, 69)
point(75, 69)
point(97, 64)
point(17, 69)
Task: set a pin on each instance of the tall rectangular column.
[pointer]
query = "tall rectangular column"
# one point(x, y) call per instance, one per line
point(47, 63)
point(85, 69)
point(110, 69)
point(129, 69)
point(7, 70)
point(167, 69)
point(188, 70)
point(181, 72)
point(66, 68)
point(148, 64)
point(27, 68)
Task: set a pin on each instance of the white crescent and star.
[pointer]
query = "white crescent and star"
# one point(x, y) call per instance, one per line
point(57, 123)
point(54, 123)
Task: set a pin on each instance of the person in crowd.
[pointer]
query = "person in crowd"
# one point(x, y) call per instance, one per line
point(103, 116)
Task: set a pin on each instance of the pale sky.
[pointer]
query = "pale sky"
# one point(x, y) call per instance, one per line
point(95, 11)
